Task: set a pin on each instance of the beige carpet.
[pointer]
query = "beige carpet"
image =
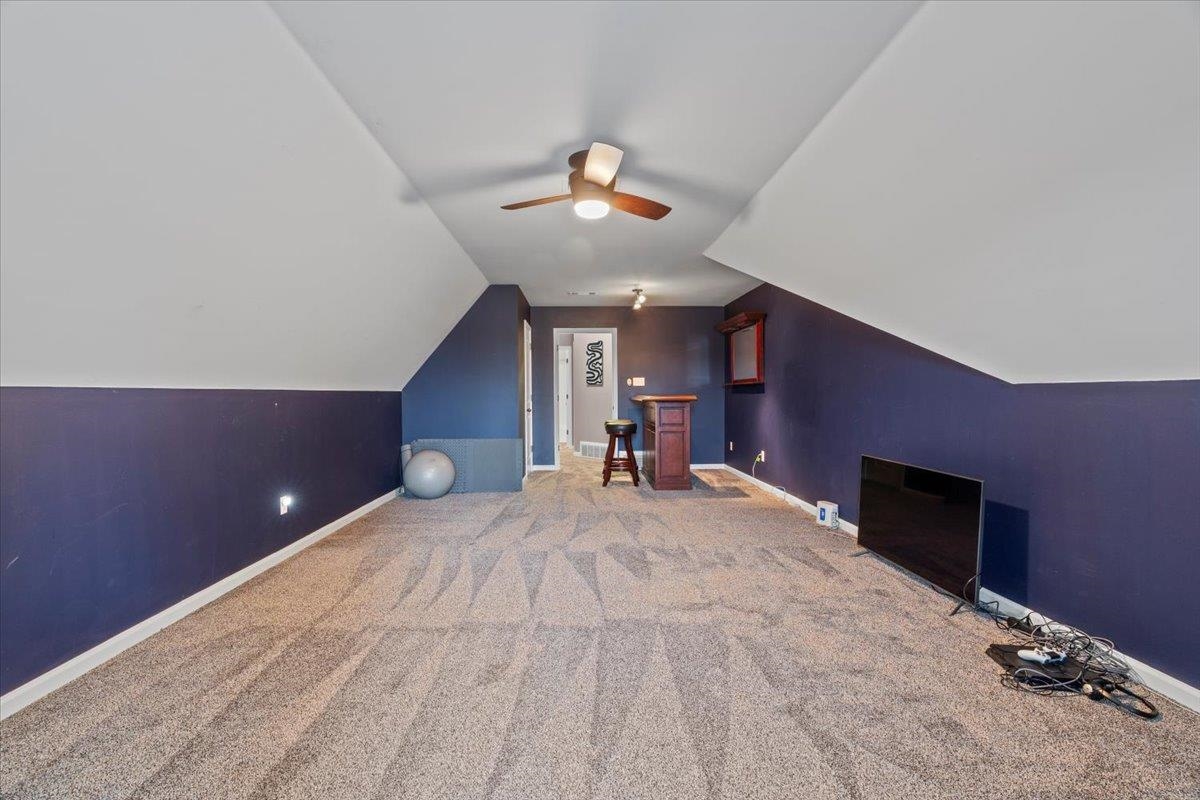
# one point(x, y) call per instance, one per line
point(580, 642)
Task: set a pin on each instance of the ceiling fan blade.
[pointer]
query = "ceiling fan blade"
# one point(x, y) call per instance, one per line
point(602, 162)
point(541, 201)
point(633, 204)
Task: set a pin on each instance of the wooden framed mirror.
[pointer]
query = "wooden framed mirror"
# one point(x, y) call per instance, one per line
point(744, 348)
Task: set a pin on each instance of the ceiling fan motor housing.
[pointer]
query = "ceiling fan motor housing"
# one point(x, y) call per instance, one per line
point(583, 189)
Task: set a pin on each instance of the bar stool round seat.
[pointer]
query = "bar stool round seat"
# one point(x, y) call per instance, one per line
point(623, 429)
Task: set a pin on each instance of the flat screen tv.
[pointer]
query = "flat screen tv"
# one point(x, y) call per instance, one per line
point(926, 521)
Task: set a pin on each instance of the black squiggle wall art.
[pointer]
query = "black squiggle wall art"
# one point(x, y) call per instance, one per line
point(595, 363)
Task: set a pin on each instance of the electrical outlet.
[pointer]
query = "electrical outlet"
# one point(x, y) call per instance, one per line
point(762, 456)
point(731, 447)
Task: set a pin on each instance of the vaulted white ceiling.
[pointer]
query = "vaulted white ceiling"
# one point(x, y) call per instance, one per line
point(481, 103)
point(1013, 185)
point(187, 202)
point(299, 196)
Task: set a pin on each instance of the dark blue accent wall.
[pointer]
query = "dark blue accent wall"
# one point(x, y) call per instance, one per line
point(676, 349)
point(117, 503)
point(469, 388)
point(1092, 489)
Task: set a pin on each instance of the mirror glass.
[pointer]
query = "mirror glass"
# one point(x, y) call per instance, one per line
point(744, 351)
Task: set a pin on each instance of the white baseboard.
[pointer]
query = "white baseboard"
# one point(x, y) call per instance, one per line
point(636, 453)
point(1182, 693)
point(63, 674)
point(843, 525)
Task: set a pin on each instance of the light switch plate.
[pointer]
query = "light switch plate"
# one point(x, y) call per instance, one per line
point(639, 381)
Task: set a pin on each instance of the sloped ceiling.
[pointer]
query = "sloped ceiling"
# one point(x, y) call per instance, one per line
point(1013, 185)
point(187, 202)
point(481, 103)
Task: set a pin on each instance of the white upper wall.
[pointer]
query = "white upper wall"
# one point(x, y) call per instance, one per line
point(185, 201)
point(1013, 185)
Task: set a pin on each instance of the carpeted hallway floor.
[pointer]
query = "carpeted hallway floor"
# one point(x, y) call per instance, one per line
point(573, 641)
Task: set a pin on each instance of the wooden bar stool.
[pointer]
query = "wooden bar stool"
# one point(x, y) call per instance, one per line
point(624, 429)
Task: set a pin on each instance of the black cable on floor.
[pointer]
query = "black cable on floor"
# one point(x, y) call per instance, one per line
point(1091, 667)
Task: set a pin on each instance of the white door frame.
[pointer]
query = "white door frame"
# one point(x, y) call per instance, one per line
point(554, 355)
point(527, 408)
point(560, 396)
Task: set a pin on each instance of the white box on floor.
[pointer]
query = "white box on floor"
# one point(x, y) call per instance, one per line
point(827, 514)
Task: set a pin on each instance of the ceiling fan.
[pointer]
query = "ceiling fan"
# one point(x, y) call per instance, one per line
point(593, 182)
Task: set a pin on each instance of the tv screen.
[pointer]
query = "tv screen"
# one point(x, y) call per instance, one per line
point(923, 520)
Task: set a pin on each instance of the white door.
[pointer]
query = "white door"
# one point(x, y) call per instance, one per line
point(528, 397)
point(564, 393)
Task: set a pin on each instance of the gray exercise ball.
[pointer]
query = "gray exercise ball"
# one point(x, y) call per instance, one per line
point(429, 474)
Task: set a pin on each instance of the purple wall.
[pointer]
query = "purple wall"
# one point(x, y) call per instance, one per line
point(676, 348)
point(470, 386)
point(117, 503)
point(1066, 467)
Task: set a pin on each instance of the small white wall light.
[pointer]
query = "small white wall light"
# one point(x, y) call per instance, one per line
point(285, 502)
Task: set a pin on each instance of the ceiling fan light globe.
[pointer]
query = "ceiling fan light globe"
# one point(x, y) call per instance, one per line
point(591, 209)
point(601, 164)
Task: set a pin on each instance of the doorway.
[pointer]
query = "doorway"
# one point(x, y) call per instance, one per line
point(563, 394)
point(528, 406)
point(591, 383)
